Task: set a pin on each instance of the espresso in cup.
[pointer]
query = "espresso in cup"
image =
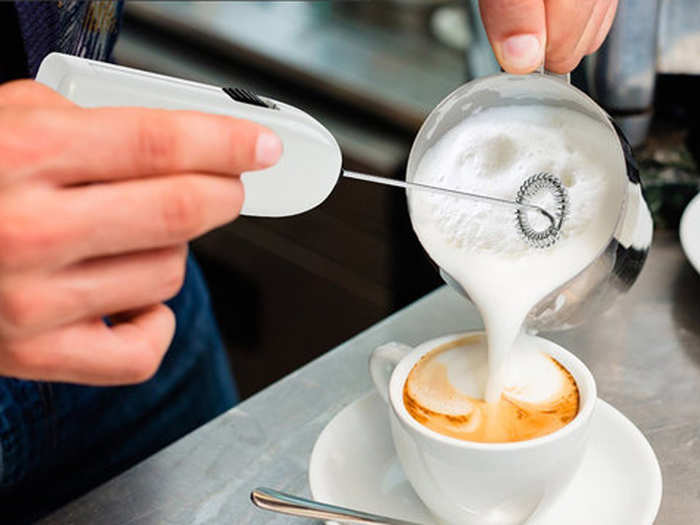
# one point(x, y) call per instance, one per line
point(444, 392)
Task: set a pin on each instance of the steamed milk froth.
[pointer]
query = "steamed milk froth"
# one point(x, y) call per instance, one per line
point(443, 392)
point(492, 153)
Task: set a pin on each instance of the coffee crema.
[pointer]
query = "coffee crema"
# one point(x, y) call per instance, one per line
point(442, 392)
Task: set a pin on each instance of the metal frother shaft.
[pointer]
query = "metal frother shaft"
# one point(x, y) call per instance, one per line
point(536, 183)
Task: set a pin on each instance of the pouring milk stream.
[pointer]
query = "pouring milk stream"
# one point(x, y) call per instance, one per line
point(492, 152)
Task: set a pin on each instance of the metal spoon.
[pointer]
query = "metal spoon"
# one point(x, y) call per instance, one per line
point(276, 501)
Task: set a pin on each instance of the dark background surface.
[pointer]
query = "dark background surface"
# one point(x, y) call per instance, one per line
point(287, 290)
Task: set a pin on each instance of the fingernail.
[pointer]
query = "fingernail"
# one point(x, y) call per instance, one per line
point(268, 149)
point(522, 52)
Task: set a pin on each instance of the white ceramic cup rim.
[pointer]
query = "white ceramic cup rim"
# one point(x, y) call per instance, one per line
point(579, 371)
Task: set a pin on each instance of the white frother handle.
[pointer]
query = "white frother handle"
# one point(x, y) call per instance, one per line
point(302, 179)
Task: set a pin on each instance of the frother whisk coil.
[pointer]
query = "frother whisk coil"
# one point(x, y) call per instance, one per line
point(534, 185)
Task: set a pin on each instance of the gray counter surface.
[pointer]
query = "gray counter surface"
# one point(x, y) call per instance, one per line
point(644, 353)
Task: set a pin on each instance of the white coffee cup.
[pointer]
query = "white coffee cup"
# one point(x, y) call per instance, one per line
point(469, 483)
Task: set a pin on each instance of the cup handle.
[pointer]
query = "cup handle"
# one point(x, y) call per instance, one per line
point(382, 363)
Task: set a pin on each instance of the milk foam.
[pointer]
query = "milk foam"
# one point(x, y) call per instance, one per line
point(492, 153)
point(530, 376)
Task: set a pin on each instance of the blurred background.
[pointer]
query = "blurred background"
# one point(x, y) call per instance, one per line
point(287, 290)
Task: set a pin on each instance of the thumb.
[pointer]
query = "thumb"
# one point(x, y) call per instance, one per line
point(517, 32)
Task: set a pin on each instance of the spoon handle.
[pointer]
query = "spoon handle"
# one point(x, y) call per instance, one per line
point(274, 500)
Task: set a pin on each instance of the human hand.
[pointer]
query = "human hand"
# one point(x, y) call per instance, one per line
point(96, 208)
point(526, 33)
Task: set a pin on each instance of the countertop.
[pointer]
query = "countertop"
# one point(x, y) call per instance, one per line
point(644, 353)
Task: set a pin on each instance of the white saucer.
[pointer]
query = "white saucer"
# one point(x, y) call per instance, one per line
point(353, 464)
point(690, 232)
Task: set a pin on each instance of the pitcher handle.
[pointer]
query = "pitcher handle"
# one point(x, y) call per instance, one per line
point(566, 77)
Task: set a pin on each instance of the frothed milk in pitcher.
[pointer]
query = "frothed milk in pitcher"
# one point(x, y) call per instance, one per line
point(492, 153)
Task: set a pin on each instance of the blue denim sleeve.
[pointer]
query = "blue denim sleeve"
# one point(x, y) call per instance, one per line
point(58, 440)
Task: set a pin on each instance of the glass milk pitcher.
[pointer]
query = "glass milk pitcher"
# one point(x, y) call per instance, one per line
point(613, 270)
